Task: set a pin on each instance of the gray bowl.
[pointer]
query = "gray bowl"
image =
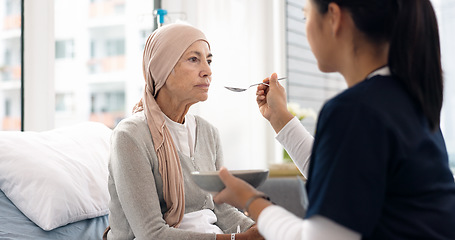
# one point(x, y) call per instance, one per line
point(210, 181)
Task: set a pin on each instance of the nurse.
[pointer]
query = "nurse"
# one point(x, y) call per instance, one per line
point(379, 165)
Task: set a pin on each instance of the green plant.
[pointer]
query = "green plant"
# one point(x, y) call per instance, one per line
point(286, 157)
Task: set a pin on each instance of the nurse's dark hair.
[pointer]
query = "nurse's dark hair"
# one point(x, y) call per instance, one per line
point(411, 28)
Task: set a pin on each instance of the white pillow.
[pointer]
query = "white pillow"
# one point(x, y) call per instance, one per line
point(57, 177)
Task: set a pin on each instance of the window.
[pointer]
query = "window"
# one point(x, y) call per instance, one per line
point(10, 65)
point(107, 105)
point(143, 35)
point(445, 12)
point(7, 107)
point(12, 7)
point(64, 49)
point(103, 8)
point(316, 87)
point(104, 102)
point(64, 102)
point(115, 47)
point(97, 84)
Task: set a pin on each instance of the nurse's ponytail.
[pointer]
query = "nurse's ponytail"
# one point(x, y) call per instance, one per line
point(415, 58)
point(411, 28)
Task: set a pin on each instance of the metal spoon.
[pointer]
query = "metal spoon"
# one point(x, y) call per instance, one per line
point(234, 89)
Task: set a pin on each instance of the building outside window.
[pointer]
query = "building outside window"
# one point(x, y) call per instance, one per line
point(10, 65)
point(445, 10)
point(94, 49)
point(64, 49)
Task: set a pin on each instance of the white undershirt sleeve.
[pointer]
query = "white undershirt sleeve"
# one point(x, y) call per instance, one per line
point(298, 142)
point(275, 222)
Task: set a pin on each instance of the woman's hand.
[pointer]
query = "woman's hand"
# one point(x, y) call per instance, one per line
point(272, 103)
point(250, 234)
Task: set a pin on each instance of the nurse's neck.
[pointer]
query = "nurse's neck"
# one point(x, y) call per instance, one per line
point(363, 62)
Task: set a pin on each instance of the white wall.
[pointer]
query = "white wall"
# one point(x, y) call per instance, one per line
point(39, 99)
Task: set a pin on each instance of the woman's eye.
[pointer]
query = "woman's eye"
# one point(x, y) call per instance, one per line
point(209, 62)
point(193, 59)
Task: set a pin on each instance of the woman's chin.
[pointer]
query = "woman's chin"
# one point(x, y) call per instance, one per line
point(200, 98)
point(203, 99)
point(203, 96)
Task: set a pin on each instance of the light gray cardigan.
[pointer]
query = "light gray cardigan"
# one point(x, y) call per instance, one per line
point(137, 205)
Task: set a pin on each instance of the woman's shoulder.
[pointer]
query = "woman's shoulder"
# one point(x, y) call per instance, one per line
point(135, 125)
point(381, 98)
point(203, 123)
point(205, 126)
point(377, 93)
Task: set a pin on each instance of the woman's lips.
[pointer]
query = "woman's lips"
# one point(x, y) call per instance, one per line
point(203, 85)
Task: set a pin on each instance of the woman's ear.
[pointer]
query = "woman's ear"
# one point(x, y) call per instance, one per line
point(334, 13)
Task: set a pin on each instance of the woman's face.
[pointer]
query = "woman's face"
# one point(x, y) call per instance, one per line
point(319, 36)
point(189, 81)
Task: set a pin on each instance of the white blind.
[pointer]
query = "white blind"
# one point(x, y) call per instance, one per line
point(306, 85)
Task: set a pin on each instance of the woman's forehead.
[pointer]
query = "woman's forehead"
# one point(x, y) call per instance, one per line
point(199, 47)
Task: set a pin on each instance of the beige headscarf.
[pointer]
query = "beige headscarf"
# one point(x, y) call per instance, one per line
point(163, 49)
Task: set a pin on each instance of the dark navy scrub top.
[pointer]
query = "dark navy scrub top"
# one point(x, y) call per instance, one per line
point(378, 169)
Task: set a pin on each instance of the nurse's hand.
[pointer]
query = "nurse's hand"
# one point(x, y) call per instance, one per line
point(272, 103)
point(237, 193)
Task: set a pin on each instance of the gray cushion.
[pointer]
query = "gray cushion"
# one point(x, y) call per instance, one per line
point(288, 192)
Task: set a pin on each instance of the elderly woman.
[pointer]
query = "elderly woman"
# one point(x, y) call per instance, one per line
point(154, 151)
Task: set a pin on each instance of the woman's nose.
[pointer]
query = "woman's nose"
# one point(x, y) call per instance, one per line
point(206, 71)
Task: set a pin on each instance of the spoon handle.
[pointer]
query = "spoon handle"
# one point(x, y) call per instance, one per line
point(267, 83)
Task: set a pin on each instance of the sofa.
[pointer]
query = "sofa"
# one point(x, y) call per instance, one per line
point(288, 192)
